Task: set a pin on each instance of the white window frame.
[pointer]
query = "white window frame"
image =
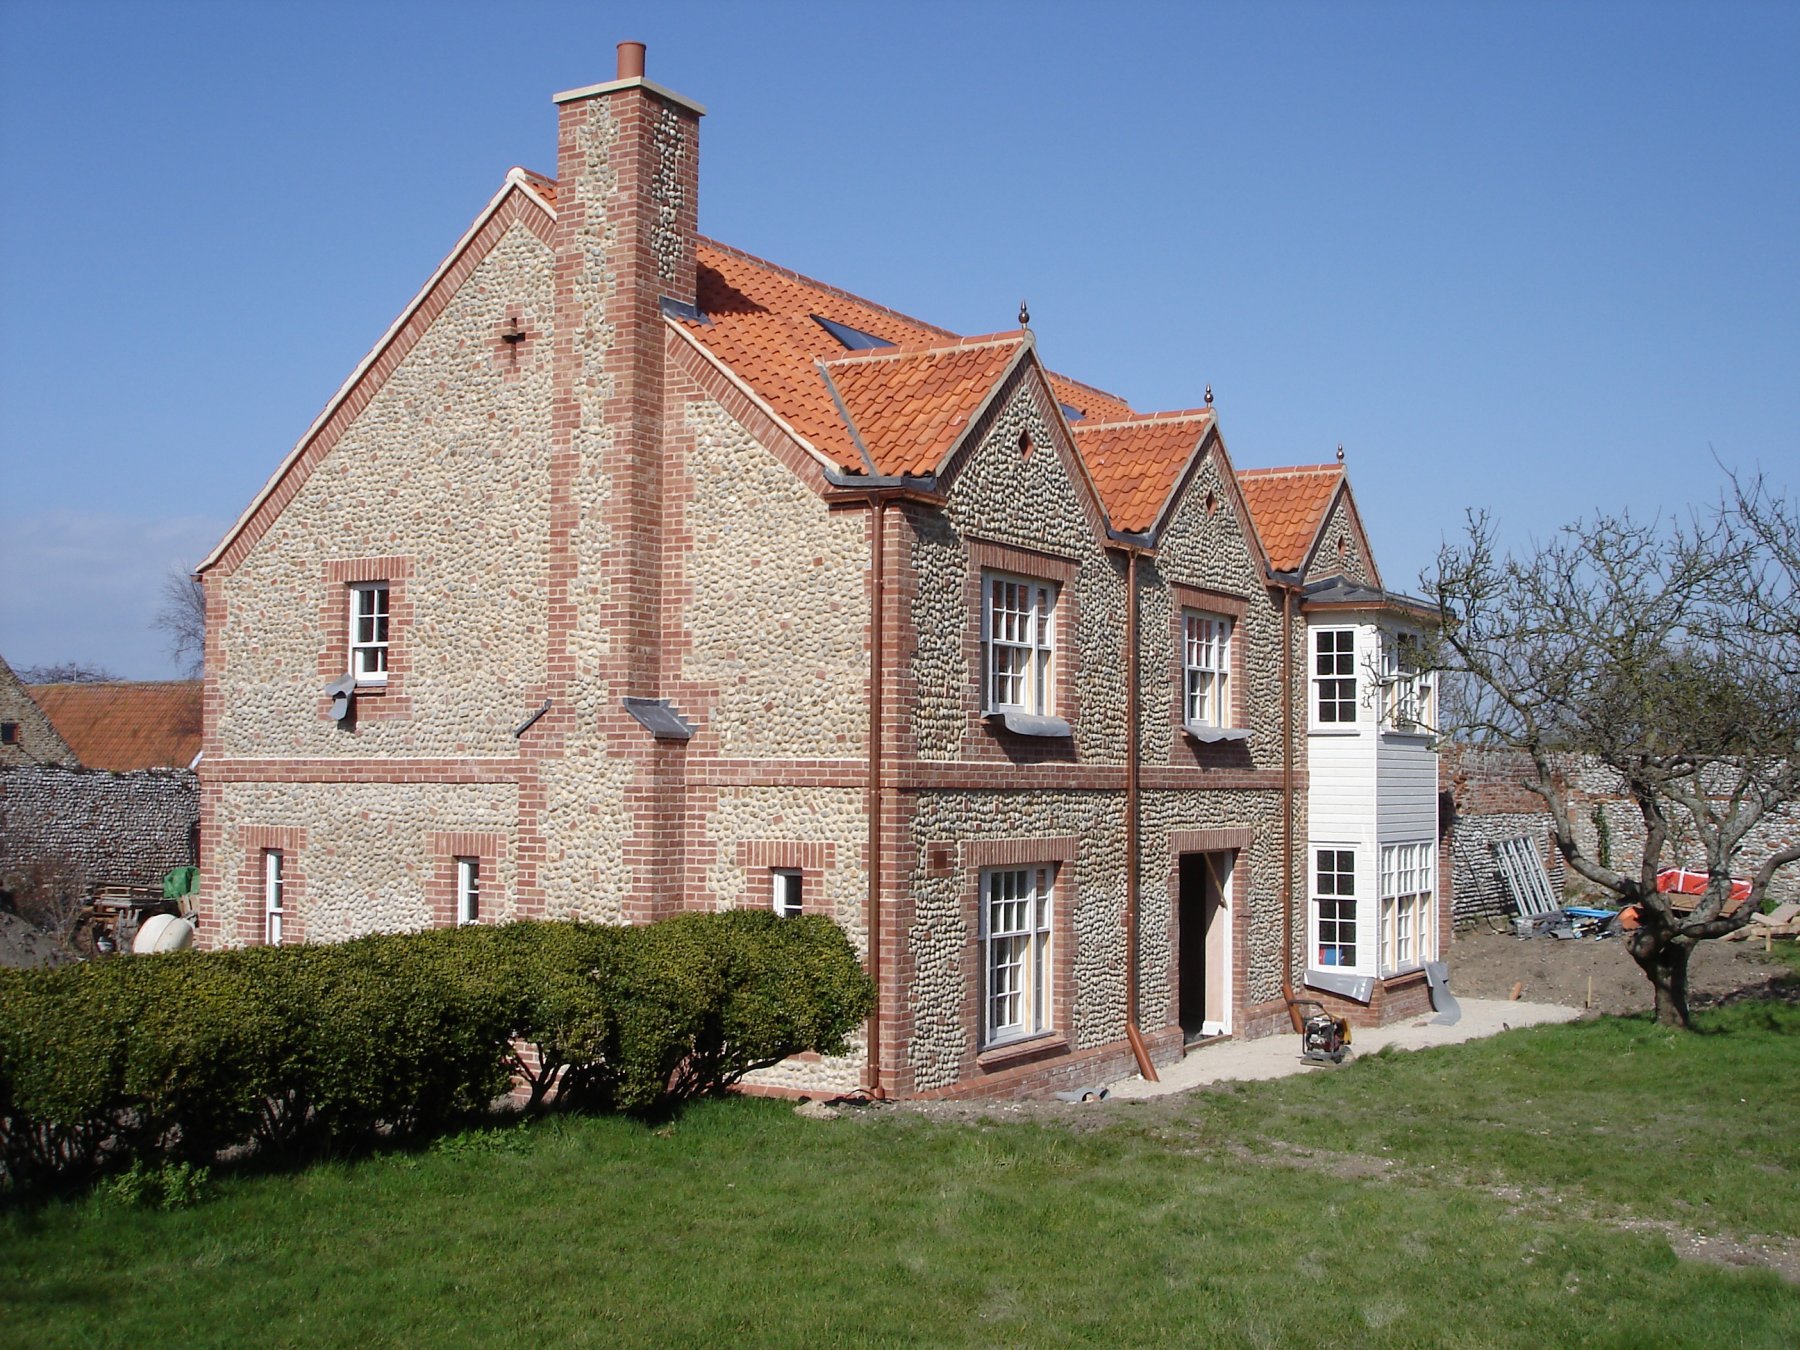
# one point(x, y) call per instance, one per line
point(1406, 687)
point(1334, 888)
point(468, 891)
point(273, 886)
point(1018, 973)
point(1408, 905)
point(1332, 671)
point(1018, 644)
point(370, 625)
point(1206, 668)
point(787, 889)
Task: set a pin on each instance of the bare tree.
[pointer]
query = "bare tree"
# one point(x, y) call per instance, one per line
point(66, 672)
point(183, 617)
point(1668, 655)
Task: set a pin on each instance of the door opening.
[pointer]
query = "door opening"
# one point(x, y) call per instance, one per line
point(1203, 921)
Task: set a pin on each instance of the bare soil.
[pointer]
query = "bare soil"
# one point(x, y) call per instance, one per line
point(1599, 974)
point(22, 944)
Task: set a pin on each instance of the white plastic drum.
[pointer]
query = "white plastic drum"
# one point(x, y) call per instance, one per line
point(163, 933)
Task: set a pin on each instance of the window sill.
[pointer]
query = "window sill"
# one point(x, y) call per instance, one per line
point(1021, 723)
point(1410, 974)
point(1214, 735)
point(1334, 731)
point(1031, 1047)
point(1396, 734)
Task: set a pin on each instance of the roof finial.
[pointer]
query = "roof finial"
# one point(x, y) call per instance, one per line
point(1340, 452)
point(1024, 315)
point(1209, 396)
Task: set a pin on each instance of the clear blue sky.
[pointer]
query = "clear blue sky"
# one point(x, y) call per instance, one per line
point(1528, 257)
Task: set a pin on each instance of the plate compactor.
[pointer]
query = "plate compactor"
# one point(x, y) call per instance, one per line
point(1324, 1039)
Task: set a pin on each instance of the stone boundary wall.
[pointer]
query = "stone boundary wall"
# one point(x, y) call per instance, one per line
point(108, 827)
point(1482, 795)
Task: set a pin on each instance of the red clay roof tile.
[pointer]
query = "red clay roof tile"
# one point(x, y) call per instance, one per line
point(1135, 464)
point(123, 725)
point(1287, 506)
point(908, 405)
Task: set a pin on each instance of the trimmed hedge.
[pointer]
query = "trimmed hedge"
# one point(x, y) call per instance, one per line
point(179, 1058)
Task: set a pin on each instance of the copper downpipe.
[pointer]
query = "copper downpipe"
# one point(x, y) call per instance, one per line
point(1132, 1033)
point(877, 640)
point(1287, 804)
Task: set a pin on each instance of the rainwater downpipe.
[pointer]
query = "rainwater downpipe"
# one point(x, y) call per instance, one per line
point(1132, 1033)
point(1287, 804)
point(877, 605)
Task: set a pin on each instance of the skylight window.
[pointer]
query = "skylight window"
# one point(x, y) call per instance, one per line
point(1071, 412)
point(854, 339)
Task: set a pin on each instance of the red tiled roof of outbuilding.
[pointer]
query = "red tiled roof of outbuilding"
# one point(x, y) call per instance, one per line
point(124, 725)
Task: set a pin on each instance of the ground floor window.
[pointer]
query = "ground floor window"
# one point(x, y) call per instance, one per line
point(468, 890)
point(1406, 904)
point(1334, 898)
point(786, 891)
point(272, 886)
point(1015, 940)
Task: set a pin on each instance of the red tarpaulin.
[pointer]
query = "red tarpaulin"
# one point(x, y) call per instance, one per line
point(1683, 882)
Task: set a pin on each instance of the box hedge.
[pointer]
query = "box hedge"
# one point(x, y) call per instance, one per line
point(180, 1058)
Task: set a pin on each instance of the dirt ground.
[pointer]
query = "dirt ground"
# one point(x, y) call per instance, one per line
point(1600, 974)
point(23, 945)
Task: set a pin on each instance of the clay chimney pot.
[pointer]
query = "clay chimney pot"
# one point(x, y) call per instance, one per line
point(631, 60)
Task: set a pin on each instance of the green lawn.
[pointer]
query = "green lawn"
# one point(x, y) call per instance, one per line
point(1476, 1195)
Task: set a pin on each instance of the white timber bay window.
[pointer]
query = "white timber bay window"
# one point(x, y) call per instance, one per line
point(468, 890)
point(1016, 956)
point(272, 886)
point(1407, 891)
point(1206, 666)
point(1334, 906)
point(369, 632)
point(1406, 687)
point(1334, 677)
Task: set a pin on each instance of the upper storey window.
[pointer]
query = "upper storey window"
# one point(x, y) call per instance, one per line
point(1334, 676)
point(1406, 685)
point(369, 632)
point(1018, 638)
point(1206, 668)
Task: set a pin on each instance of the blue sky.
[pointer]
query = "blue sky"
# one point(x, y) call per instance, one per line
point(1530, 257)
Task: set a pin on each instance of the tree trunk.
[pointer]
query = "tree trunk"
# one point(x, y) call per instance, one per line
point(1664, 959)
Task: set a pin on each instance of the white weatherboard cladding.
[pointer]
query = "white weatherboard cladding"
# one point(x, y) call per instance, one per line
point(452, 424)
point(1367, 787)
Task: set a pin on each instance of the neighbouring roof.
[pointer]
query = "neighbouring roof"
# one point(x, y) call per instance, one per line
point(124, 725)
point(1288, 506)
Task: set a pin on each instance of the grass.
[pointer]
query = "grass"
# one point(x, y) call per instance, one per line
point(1188, 1220)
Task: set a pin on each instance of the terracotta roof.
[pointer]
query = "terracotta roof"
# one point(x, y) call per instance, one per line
point(126, 725)
point(909, 407)
point(760, 323)
point(1287, 507)
point(909, 404)
point(1135, 464)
